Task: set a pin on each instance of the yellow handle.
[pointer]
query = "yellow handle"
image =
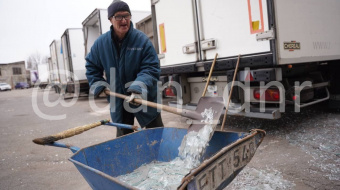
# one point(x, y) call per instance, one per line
point(68, 133)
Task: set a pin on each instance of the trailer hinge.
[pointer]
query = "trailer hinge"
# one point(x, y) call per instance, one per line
point(153, 2)
point(267, 35)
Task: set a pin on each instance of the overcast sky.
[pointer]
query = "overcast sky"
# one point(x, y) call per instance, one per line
point(29, 26)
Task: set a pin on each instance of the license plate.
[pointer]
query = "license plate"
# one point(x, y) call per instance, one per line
point(223, 168)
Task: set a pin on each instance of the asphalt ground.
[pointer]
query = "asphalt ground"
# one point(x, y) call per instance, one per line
point(301, 150)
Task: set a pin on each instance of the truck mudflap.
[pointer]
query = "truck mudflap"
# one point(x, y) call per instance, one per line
point(218, 171)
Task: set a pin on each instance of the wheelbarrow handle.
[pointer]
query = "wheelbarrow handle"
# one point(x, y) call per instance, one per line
point(68, 133)
point(124, 126)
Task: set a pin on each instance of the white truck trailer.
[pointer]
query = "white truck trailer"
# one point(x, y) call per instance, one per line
point(72, 43)
point(43, 75)
point(58, 65)
point(280, 42)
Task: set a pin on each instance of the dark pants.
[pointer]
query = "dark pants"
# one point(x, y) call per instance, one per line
point(128, 118)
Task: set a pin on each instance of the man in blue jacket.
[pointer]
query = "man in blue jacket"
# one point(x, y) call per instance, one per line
point(131, 66)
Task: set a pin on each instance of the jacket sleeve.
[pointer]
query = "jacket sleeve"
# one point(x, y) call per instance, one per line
point(94, 71)
point(149, 70)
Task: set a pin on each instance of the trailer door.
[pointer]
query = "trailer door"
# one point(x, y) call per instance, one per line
point(308, 31)
point(60, 61)
point(66, 55)
point(229, 27)
point(94, 25)
point(176, 32)
point(105, 24)
point(54, 60)
point(76, 44)
point(50, 71)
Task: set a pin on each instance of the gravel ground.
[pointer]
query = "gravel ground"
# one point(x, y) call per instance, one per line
point(301, 150)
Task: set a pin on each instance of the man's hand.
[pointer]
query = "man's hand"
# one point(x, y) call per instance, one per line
point(133, 96)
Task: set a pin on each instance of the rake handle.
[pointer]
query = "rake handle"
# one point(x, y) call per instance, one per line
point(68, 133)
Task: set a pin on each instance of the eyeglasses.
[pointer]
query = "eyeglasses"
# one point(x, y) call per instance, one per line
point(120, 17)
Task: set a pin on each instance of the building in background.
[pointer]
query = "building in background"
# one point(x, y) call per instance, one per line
point(13, 73)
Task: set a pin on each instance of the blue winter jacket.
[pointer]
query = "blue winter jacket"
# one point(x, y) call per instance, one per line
point(138, 63)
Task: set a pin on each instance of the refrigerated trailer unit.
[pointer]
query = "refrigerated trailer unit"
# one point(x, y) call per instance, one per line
point(280, 42)
point(59, 76)
point(72, 42)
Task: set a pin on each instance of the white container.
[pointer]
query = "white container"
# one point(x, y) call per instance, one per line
point(58, 67)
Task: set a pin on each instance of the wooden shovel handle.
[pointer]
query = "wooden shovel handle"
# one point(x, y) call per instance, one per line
point(68, 133)
point(210, 73)
point(231, 93)
point(146, 103)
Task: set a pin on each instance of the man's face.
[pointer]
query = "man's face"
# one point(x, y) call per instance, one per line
point(121, 22)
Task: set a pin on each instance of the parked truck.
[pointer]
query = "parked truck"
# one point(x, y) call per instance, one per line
point(58, 71)
point(283, 45)
point(43, 75)
point(72, 43)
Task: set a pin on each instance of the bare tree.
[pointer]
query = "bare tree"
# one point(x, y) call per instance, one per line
point(34, 60)
point(44, 60)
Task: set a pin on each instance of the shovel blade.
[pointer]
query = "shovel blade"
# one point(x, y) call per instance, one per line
point(214, 103)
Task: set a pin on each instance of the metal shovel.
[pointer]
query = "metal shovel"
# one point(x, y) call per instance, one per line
point(215, 103)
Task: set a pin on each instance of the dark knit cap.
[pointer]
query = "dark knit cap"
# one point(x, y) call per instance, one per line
point(117, 6)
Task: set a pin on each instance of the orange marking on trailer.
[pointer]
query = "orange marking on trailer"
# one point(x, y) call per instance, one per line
point(162, 37)
point(254, 25)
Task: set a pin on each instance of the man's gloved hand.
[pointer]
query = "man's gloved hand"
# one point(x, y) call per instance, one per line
point(133, 96)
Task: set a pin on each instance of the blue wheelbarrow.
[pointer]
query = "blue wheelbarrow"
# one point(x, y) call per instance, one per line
point(227, 154)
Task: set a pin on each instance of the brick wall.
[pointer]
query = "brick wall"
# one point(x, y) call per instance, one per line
point(11, 78)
